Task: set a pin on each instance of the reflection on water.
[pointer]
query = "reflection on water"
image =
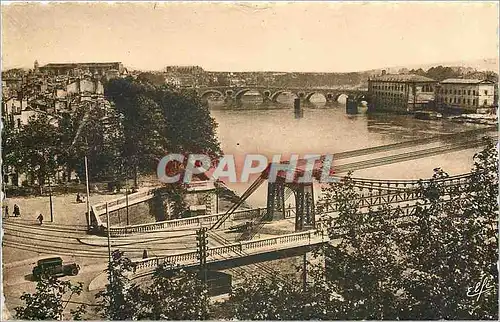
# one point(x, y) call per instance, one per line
point(327, 129)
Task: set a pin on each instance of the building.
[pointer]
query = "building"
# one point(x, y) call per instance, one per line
point(466, 95)
point(72, 68)
point(400, 92)
point(191, 70)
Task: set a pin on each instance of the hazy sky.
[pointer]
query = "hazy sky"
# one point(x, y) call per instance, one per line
point(320, 36)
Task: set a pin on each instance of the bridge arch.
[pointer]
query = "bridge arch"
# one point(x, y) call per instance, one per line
point(242, 92)
point(210, 92)
point(275, 95)
point(362, 97)
point(311, 94)
point(239, 94)
point(338, 95)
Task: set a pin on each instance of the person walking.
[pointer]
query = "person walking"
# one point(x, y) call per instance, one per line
point(40, 218)
point(6, 211)
point(17, 212)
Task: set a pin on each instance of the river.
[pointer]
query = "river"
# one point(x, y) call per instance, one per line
point(272, 129)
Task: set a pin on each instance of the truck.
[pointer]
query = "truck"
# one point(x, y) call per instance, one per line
point(54, 267)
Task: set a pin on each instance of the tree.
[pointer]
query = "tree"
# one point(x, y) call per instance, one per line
point(9, 145)
point(425, 266)
point(47, 302)
point(121, 298)
point(176, 192)
point(456, 236)
point(37, 148)
point(142, 124)
point(171, 295)
point(177, 295)
point(261, 298)
point(158, 120)
point(189, 126)
point(363, 266)
point(92, 130)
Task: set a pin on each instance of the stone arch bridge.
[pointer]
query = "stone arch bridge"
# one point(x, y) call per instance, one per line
point(271, 94)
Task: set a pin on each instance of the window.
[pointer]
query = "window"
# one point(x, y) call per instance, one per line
point(485, 101)
point(485, 92)
point(455, 92)
point(468, 101)
point(474, 92)
point(468, 92)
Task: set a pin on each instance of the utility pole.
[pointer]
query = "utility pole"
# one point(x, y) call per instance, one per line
point(202, 243)
point(304, 273)
point(217, 188)
point(88, 193)
point(126, 199)
point(109, 243)
point(50, 201)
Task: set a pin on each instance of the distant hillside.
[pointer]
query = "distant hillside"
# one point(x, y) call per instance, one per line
point(487, 64)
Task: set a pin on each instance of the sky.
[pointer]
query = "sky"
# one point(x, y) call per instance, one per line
point(294, 36)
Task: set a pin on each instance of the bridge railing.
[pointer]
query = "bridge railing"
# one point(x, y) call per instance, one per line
point(121, 202)
point(190, 257)
point(179, 223)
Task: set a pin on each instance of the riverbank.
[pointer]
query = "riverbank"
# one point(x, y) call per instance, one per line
point(486, 119)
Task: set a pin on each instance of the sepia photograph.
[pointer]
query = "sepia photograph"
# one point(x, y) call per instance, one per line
point(246, 160)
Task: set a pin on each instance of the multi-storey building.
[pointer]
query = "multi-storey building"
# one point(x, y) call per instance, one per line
point(466, 95)
point(400, 93)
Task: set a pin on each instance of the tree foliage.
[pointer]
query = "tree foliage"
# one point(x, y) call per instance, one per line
point(383, 264)
point(263, 298)
point(159, 120)
point(120, 299)
point(170, 295)
point(178, 295)
point(49, 301)
point(386, 266)
point(34, 148)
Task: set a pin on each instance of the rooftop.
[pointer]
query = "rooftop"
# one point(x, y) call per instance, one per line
point(465, 81)
point(402, 78)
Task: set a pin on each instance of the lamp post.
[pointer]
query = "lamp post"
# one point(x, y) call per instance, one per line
point(88, 193)
point(50, 201)
point(126, 199)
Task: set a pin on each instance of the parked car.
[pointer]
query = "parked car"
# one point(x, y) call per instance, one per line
point(54, 267)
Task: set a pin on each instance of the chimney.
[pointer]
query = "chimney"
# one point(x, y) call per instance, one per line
point(384, 72)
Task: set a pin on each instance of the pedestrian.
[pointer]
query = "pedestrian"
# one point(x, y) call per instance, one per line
point(145, 254)
point(40, 218)
point(6, 211)
point(17, 212)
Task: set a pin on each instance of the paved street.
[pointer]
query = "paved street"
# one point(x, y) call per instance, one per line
point(25, 242)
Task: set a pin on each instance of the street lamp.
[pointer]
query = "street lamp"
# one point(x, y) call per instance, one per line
point(50, 201)
point(88, 193)
point(126, 198)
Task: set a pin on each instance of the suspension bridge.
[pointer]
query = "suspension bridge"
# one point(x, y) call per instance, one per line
point(244, 224)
